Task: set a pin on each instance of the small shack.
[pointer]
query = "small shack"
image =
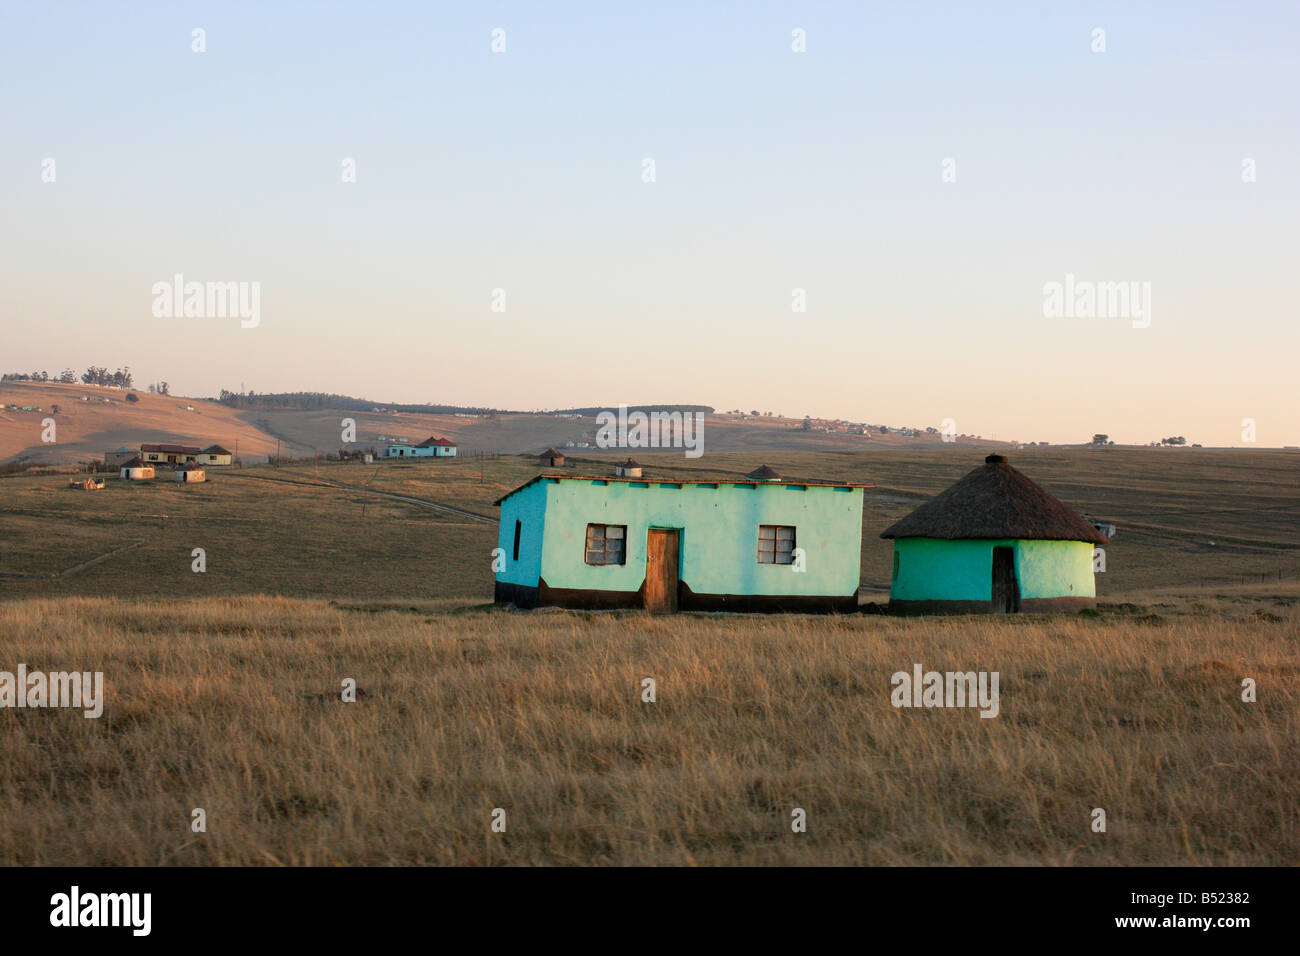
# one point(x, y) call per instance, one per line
point(137, 470)
point(113, 460)
point(628, 469)
point(215, 455)
point(595, 541)
point(993, 543)
point(189, 473)
point(551, 458)
point(437, 447)
point(89, 484)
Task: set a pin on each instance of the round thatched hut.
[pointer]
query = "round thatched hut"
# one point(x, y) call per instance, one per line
point(995, 542)
point(552, 458)
point(136, 470)
point(628, 469)
point(189, 472)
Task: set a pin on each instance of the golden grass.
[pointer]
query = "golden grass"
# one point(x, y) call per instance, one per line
point(231, 704)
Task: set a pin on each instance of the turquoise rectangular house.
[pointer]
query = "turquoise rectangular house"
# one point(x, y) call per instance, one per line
point(431, 447)
point(752, 544)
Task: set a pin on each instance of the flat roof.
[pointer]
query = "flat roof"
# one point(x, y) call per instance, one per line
point(714, 480)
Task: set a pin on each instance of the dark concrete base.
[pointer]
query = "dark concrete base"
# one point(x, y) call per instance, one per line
point(519, 595)
point(589, 600)
point(687, 600)
point(1058, 605)
point(768, 603)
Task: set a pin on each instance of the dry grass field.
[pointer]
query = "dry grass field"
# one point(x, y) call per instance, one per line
point(223, 688)
point(233, 705)
point(307, 531)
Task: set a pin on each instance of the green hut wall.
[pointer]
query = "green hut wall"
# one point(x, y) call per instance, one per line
point(1053, 575)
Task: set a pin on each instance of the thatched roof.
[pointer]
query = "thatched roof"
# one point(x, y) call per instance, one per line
point(995, 501)
point(630, 463)
point(551, 453)
point(764, 473)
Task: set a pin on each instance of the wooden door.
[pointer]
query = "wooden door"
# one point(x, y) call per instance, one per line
point(1006, 590)
point(661, 571)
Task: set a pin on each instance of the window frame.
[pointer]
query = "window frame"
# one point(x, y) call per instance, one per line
point(604, 551)
point(778, 556)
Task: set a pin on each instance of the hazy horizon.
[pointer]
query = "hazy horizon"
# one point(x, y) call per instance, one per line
point(775, 171)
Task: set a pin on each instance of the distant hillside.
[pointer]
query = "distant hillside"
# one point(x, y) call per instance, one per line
point(93, 419)
point(316, 400)
point(595, 410)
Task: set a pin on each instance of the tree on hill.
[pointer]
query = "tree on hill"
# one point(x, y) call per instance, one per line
point(102, 376)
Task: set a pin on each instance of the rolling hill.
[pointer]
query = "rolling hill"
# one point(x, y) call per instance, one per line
point(93, 419)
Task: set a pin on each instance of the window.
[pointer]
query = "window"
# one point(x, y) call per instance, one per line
point(775, 544)
point(519, 526)
point(606, 544)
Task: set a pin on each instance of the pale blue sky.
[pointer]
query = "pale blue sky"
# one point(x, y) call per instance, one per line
point(775, 171)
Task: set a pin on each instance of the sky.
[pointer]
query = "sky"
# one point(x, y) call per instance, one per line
point(920, 172)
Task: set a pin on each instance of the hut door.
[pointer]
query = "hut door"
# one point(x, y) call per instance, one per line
point(661, 571)
point(1006, 590)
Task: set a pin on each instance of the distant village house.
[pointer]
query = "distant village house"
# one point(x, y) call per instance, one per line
point(431, 447)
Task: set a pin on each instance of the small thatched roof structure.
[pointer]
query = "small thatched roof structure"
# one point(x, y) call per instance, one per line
point(995, 501)
point(630, 463)
point(136, 462)
point(764, 473)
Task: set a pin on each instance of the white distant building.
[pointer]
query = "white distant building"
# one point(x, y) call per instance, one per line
point(137, 470)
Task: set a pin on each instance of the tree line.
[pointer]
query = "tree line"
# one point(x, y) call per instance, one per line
point(318, 400)
point(94, 375)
